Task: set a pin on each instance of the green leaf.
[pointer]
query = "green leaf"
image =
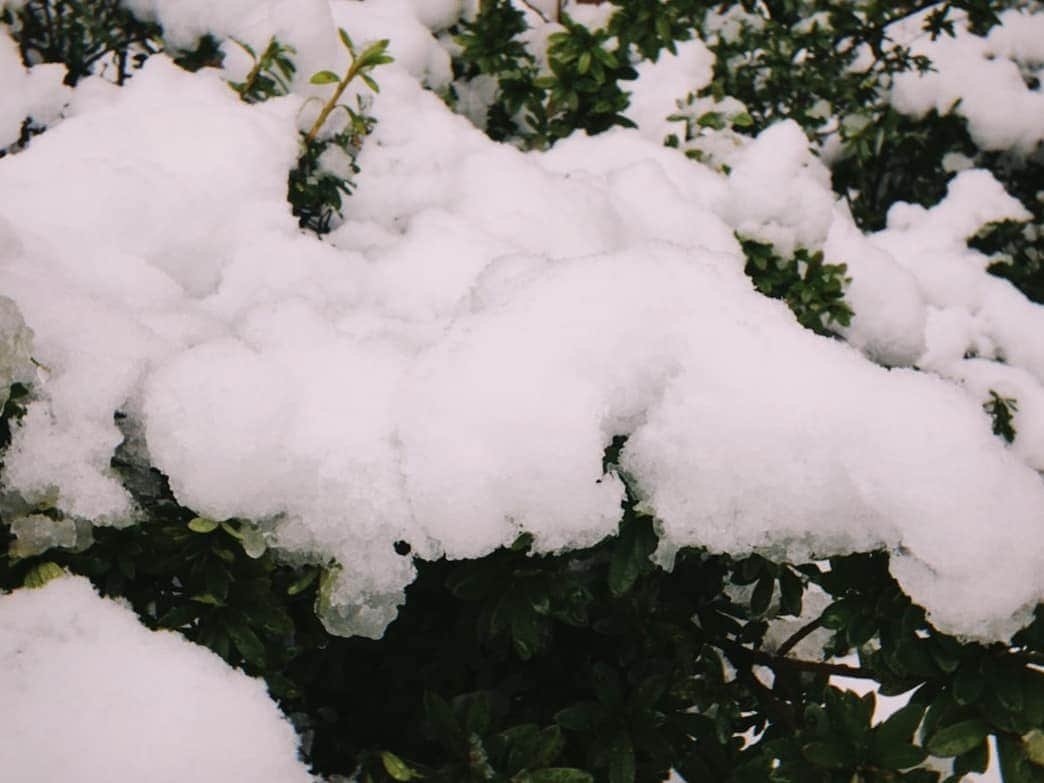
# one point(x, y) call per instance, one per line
point(559, 775)
point(624, 565)
point(246, 48)
point(41, 574)
point(397, 768)
point(178, 617)
point(346, 40)
point(206, 598)
point(525, 632)
point(247, 643)
point(583, 64)
point(325, 77)
point(743, 120)
point(368, 80)
point(900, 725)
point(836, 616)
point(303, 582)
point(474, 710)
point(975, 760)
point(901, 756)
point(790, 593)
point(584, 716)
point(1033, 742)
point(441, 721)
point(621, 759)
point(711, 119)
point(762, 595)
point(968, 685)
point(1015, 767)
point(958, 738)
point(203, 525)
point(830, 755)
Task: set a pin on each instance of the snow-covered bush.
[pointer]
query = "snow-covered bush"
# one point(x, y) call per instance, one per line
point(655, 356)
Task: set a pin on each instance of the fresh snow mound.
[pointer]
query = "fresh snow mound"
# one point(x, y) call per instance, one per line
point(981, 79)
point(93, 696)
point(447, 367)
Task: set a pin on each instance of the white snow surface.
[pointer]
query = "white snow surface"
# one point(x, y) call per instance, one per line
point(35, 92)
point(93, 696)
point(984, 79)
point(447, 367)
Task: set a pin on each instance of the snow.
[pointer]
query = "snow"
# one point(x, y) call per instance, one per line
point(35, 92)
point(982, 79)
point(660, 84)
point(447, 367)
point(93, 696)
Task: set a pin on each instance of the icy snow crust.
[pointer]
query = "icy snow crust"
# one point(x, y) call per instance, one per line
point(92, 696)
point(448, 367)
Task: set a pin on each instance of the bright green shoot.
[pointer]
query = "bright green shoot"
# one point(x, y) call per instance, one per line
point(361, 65)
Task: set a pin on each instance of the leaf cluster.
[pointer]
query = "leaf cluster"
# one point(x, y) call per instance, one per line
point(814, 291)
point(586, 665)
point(81, 34)
point(579, 90)
point(271, 75)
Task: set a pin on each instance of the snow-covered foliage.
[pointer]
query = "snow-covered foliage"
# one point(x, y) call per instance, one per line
point(90, 695)
point(449, 366)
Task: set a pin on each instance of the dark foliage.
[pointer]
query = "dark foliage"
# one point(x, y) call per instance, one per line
point(82, 34)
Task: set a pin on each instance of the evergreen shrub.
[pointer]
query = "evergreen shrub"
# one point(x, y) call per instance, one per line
point(596, 664)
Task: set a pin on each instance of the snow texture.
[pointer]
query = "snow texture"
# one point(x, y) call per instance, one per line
point(447, 367)
point(35, 93)
point(93, 696)
point(985, 79)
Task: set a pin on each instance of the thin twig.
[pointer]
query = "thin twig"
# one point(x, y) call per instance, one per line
point(537, 11)
point(800, 634)
point(797, 664)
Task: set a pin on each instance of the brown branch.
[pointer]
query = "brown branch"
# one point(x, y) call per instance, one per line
point(774, 705)
point(536, 11)
point(795, 664)
point(800, 634)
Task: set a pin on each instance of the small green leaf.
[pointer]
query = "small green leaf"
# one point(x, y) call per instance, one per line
point(246, 48)
point(900, 725)
point(830, 755)
point(762, 595)
point(525, 632)
point(441, 722)
point(743, 120)
point(303, 582)
point(368, 80)
point(325, 77)
point(346, 40)
point(1033, 742)
point(178, 617)
point(397, 768)
point(207, 598)
point(621, 759)
point(202, 525)
point(958, 738)
point(247, 643)
point(584, 716)
point(791, 590)
point(975, 760)
point(583, 65)
point(41, 574)
point(968, 685)
point(559, 775)
point(712, 120)
point(901, 756)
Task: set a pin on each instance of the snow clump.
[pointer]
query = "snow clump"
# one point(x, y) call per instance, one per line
point(93, 696)
point(448, 366)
